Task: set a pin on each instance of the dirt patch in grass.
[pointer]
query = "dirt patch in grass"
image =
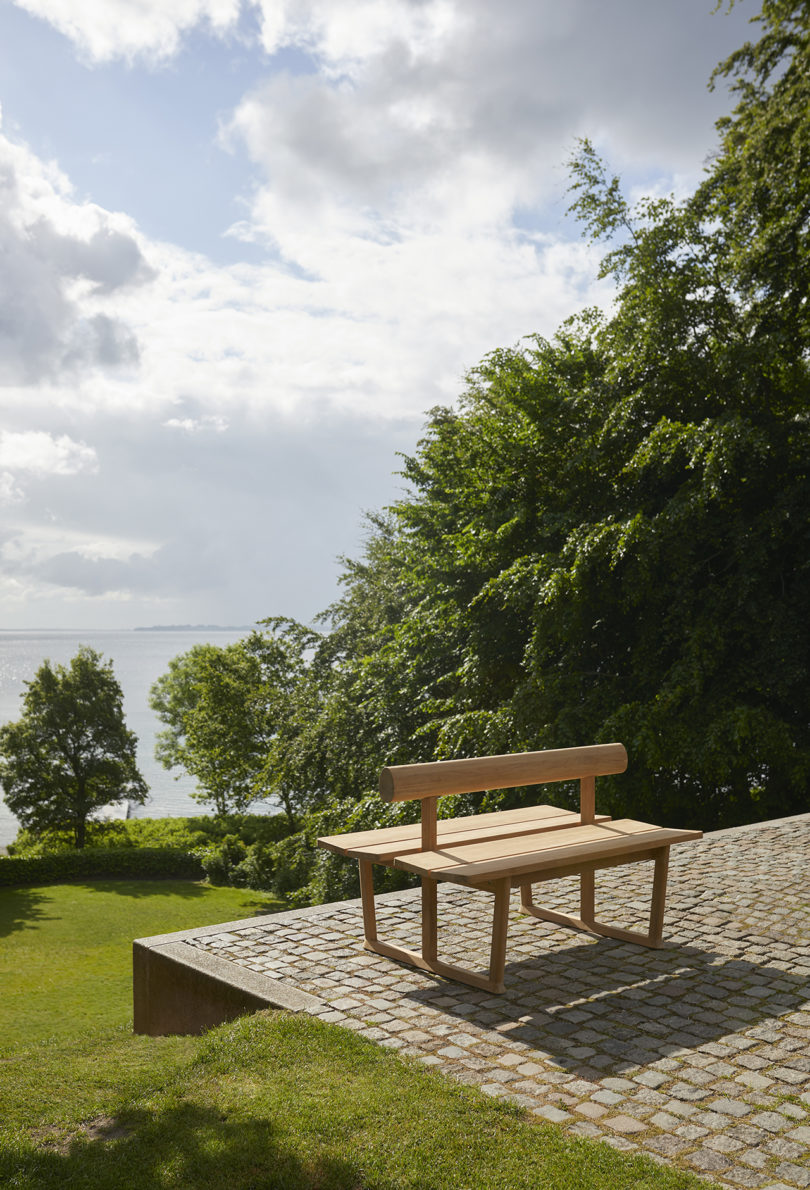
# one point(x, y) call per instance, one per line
point(105, 1128)
point(52, 1138)
point(58, 1140)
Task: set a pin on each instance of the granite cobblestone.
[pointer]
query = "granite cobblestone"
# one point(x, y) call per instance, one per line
point(697, 1054)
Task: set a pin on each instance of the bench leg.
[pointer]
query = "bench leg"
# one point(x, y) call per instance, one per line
point(587, 896)
point(587, 922)
point(500, 928)
point(659, 896)
point(428, 960)
point(367, 900)
point(430, 924)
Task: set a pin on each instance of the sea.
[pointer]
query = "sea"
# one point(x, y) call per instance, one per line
point(139, 658)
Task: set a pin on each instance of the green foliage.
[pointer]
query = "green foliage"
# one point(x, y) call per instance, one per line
point(290, 865)
point(254, 851)
point(758, 186)
point(70, 753)
point(186, 834)
point(220, 860)
point(154, 863)
point(230, 721)
point(310, 875)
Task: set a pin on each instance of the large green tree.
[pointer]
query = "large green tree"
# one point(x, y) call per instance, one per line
point(70, 752)
point(609, 537)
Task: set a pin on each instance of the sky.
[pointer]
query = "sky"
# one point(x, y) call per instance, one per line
point(247, 245)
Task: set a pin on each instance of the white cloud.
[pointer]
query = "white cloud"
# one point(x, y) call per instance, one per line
point(58, 562)
point(194, 424)
point(47, 541)
point(62, 261)
point(10, 491)
point(107, 29)
point(40, 453)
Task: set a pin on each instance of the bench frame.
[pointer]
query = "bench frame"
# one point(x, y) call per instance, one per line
point(430, 781)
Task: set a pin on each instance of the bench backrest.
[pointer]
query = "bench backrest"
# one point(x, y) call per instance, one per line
point(435, 779)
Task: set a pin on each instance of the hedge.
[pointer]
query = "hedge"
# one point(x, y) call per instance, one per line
point(156, 863)
point(184, 834)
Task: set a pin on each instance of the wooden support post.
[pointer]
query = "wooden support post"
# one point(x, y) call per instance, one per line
point(429, 805)
point(659, 895)
point(430, 931)
point(587, 897)
point(587, 800)
point(367, 898)
point(587, 815)
point(526, 900)
point(500, 928)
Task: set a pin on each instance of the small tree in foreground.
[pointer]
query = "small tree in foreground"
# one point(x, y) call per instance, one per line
point(70, 753)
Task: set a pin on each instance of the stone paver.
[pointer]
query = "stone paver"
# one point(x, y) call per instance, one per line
point(697, 1054)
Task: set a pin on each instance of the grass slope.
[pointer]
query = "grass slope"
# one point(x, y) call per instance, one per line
point(65, 950)
point(281, 1102)
point(270, 1102)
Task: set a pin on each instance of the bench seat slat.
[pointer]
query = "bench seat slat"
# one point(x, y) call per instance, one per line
point(385, 843)
point(540, 851)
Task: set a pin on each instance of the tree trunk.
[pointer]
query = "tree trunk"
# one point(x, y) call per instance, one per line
point(80, 811)
point(288, 810)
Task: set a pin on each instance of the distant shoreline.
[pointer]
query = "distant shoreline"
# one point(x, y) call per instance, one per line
point(196, 628)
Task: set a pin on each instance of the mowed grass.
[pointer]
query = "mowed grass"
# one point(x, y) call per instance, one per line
point(269, 1102)
point(66, 950)
point(281, 1102)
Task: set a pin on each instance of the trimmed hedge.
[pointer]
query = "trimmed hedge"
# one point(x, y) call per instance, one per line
point(156, 863)
point(184, 834)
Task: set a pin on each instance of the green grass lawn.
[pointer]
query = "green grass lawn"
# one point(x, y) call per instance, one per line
point(281, 1102)
point(269, 1102)
point(66, 950)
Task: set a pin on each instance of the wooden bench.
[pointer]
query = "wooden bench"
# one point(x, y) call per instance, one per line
point(507, 849)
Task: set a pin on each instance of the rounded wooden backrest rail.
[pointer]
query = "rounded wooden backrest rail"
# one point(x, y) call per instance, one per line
point(403, 782)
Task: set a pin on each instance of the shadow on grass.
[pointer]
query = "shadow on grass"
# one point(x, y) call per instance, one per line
point(254, 903)
point(190, 890)
point(181, 1146)
point(20, 909)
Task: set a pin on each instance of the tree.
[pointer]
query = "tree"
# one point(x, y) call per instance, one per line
point(70, 753)
point(609, 538)
point(230, 721)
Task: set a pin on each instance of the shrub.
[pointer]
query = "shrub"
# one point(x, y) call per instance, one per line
point(257, 869)
point(220, 861)
point(187, 834)
point(155, 863)
point(309, 875)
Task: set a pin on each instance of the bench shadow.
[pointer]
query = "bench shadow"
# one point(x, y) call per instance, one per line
point(598, 1009)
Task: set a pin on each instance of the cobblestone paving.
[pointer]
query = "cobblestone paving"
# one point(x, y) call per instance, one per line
point(697, 1054)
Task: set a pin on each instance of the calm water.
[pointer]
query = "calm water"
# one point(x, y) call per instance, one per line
point(138, 658)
